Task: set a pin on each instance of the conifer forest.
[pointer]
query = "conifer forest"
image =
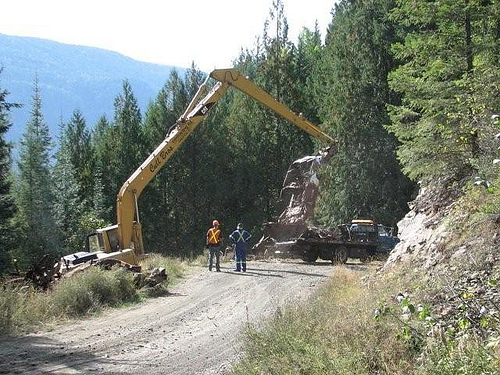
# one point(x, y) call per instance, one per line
point(409, 89)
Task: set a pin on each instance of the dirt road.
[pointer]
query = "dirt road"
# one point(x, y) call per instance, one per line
point(196, 330)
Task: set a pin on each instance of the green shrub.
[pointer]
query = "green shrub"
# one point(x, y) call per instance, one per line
point(466, 356)
point(89, 291)
point(23, 308)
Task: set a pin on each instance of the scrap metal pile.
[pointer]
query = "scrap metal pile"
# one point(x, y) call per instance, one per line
point(48, 270)
point(299, 194)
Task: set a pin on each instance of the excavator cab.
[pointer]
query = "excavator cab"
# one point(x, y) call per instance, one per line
point(104, 239)
point(105, 243)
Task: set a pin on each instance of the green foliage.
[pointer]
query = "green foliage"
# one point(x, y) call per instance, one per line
point(469, 358)
point(350, 87)
point(172, 226)
point(261, 145)
point(76, 185)
point(68, 206)
point(24, 308)
point(175, 270)
point(7, 206)
point(445, 347)
point(76, 138)
point(105, 148)
point(336, 331)
point(89, 222)
point(129, 140)
point(89, 291)
point(119, 149)
point(232, 167)
point(330, 333)
point(175, 267)
point(34, 189)
point(449, 81)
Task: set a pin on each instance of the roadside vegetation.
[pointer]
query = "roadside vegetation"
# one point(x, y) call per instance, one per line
point(386, 325)
point(405, 319)
point(23, 308)
point(334, 332)
point(408, 89)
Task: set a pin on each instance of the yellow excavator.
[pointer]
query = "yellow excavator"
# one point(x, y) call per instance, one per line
point(123, 241)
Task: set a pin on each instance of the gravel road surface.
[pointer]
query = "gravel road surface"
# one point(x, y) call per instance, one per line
point(195, 330)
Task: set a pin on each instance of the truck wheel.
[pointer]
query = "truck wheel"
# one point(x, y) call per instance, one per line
point(310, 256)
point(340, 255)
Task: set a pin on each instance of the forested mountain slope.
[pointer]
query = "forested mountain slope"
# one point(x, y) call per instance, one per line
point(71, 77)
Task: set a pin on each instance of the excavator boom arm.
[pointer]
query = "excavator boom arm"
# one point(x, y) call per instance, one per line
point(197, 110)
point(237, 80)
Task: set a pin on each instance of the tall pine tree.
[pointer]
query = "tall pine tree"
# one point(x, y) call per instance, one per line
point(34, 190)
point(7, 206)
point(127, 122)
point(364, 178)
point(68, 206)
point(159, 207)
point(77, 141)
point(448, 77)
point(105, 148)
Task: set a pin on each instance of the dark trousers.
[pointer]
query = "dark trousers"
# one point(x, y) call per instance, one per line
point(214, 250)
point(241, 260)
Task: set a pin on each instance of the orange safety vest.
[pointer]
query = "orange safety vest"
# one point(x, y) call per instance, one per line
point(213, 236)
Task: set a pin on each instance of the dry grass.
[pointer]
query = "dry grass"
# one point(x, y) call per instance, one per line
point(337, 332)
point(174, 266)
point(24, 309)
point(333, 333)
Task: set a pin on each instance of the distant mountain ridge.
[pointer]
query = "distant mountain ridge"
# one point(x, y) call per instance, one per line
point(72, 77)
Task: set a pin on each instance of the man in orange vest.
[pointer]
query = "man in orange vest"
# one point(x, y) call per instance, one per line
point(214, 245)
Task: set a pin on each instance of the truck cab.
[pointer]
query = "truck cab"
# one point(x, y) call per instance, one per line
point(366, 231)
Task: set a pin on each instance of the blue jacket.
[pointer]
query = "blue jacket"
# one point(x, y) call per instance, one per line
point(240, 238)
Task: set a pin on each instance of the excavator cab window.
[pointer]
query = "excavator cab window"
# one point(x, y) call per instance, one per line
point(95, 242)
point(113, 239)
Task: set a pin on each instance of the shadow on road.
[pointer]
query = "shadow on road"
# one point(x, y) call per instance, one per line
point(35, 355)
point(175, 294)
point(268, 272)
point(314, 264)
point(279, 273)
point(285, 271)
point(249, 272)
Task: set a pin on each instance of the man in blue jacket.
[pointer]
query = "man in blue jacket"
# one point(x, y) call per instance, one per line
point(240, 238)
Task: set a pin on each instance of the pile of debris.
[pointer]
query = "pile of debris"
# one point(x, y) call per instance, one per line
point(48, 270)
point(299, 194)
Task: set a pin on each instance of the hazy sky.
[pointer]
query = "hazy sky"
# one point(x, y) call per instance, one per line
point(209, 32)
